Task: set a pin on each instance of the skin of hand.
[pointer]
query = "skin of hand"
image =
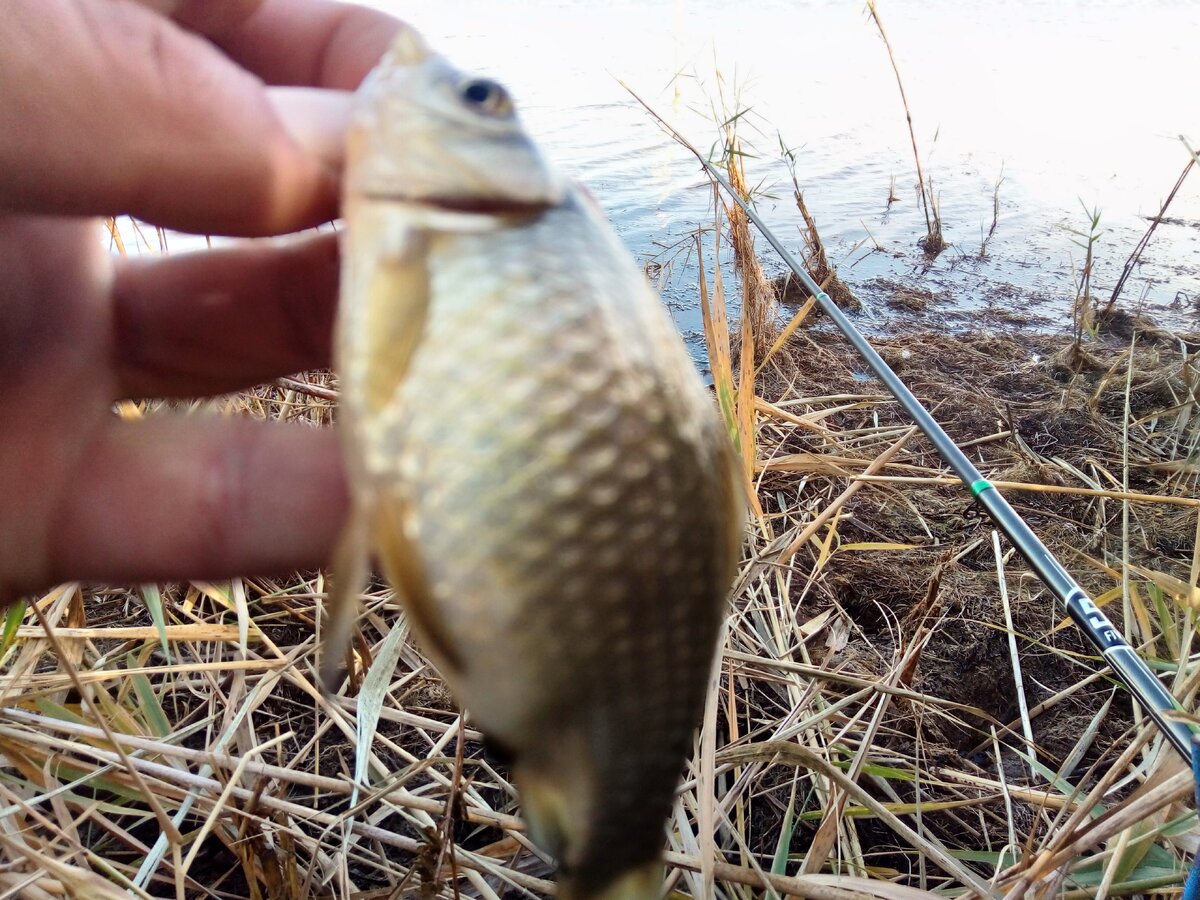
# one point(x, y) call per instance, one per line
point(208, 116)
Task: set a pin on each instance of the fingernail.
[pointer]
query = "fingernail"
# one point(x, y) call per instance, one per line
point(316, 119)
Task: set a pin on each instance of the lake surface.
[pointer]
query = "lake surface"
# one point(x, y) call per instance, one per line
point(1076, 103)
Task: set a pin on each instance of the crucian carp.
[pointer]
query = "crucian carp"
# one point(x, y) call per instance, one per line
point(534, 461)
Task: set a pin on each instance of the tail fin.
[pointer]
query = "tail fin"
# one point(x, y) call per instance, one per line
point(643, 883)
point(550, 810)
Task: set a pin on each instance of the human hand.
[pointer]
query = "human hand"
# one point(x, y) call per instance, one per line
point(111, 107)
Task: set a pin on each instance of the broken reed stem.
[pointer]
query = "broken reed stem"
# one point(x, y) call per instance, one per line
point(1014, 654)
point(304, 387)
point(1035, 488)
point(1140, 248)
point(829, 511)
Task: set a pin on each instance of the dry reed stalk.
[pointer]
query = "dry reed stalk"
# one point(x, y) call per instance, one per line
point(1141, 245)
point(734, 399)
point(983, 241)
point(1082, 313)
point(816, 258)
point(933, 243)
point(760, 307)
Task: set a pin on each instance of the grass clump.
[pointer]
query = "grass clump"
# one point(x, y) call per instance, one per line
point(815, 256)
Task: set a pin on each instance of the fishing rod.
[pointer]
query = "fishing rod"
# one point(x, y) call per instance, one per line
point(1148, 690)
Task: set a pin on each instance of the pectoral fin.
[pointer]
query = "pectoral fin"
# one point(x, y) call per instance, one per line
point(385, 303)
point(397, 305)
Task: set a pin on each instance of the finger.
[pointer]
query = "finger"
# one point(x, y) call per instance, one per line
point(216, 321)
point(310, 42)
point(205, 16)
point(137, 115)
point(199, 497)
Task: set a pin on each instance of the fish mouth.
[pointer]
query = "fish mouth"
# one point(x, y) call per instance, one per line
point(478, 206)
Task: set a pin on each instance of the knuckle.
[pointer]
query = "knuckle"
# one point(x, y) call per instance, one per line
point(219, 503)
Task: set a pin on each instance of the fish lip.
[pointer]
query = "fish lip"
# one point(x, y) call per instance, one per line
point(468, 206)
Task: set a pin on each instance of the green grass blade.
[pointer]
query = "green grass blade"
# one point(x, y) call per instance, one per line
point(12, 621)
point(153, 598)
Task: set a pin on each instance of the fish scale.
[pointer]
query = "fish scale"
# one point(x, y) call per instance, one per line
point(480, 449)
point(534, 461)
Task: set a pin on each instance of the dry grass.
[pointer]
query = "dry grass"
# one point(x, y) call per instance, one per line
point(815, 257)
point(899, 708)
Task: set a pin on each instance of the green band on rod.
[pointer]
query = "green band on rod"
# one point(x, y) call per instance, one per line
point(978, 487)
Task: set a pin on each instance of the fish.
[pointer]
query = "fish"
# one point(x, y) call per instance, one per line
point(534, 461)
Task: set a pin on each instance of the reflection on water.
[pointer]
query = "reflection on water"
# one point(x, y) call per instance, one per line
point(1075, 102)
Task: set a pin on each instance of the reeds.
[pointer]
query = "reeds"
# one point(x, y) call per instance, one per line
point(1141, 245)
point(1082, 307)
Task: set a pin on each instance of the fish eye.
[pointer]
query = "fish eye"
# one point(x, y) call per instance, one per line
point(486, 96)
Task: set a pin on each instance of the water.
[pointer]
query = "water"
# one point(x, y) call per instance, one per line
point(1076, 103)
